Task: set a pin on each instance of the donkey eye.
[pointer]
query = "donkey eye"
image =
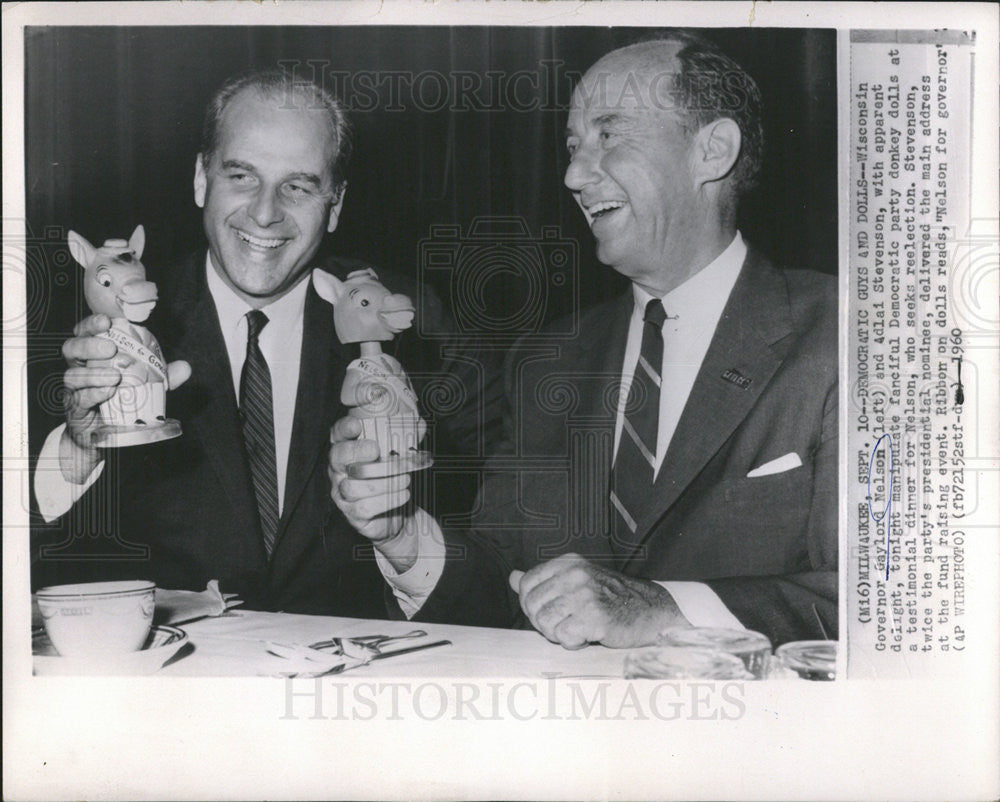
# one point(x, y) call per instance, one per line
point(365, 302)
point(104, 279)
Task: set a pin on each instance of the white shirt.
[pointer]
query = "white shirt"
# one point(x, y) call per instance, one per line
point(693, 312)
point(280, 343)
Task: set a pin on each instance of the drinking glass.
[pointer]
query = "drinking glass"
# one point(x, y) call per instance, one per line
point(809, 659)
point(675, 662)
point(752, 648)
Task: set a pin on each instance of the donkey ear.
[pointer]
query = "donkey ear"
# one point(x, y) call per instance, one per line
point(80, 249)
point(137, 241)
point(368, 272)
point(330, 288)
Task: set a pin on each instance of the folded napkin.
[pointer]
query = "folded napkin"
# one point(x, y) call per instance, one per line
point(178, 606)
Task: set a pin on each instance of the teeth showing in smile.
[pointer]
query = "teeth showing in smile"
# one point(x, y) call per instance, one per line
point(257, 242)
point(602, 208)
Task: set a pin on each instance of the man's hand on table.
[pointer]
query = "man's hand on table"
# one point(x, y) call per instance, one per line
point(573, 602)
point(87, 387)
point(374, 507)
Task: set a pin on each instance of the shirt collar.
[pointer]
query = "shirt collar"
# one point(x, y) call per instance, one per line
point(703, 296)
point(282, 315)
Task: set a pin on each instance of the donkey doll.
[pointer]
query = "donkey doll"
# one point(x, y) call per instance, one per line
point(376, 389)
point(114, 284)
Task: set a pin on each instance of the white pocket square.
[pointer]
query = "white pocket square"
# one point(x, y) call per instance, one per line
point(779, 465)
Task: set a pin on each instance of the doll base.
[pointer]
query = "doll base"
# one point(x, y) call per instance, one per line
point(394, 466)
point(121, 436)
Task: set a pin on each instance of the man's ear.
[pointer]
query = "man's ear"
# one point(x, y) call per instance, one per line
point(200, 181)
point(716, 149)
point(338, 202)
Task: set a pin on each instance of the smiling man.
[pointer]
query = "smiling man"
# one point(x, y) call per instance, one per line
point(269, 183)
point(243, 495)
point(696, 469)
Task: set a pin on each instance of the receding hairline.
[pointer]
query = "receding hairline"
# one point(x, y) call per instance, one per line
point(647, 61)
point(694, 76)
point(280, 98)
point(642, 57)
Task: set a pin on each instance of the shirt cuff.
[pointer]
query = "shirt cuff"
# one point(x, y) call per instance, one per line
point(54, 493)
point(412, 587)
point(700, 605)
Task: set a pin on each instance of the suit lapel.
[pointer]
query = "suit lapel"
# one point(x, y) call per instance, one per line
point(317, 402)
point(756, 316)
point(208, 408)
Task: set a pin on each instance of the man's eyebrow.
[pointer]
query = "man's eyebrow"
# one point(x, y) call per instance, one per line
point(310, 178)
point(611, 118)
point(236, 164)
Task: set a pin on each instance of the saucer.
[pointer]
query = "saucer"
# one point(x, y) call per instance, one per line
point(162, 644)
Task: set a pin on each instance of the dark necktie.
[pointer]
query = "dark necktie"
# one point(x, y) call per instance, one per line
point(258, 429)
point(635, 463)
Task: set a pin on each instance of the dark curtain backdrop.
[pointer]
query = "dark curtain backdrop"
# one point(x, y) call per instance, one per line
point(113, 117)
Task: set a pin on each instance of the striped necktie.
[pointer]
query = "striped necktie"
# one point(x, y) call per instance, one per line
point(635, 463)
point(258, 429)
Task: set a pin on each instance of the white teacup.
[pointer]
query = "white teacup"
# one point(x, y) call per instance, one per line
point(98, 617)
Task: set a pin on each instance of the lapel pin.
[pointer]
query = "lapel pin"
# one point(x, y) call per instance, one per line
point(735, 377)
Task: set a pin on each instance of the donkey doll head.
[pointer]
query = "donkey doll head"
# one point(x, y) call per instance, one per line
point(364, 310)
point(114, 281)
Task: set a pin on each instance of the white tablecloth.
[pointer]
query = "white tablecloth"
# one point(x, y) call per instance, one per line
point(235, 645)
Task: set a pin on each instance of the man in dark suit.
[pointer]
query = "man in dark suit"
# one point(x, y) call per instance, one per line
point(243, 495)
point(704, 492)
